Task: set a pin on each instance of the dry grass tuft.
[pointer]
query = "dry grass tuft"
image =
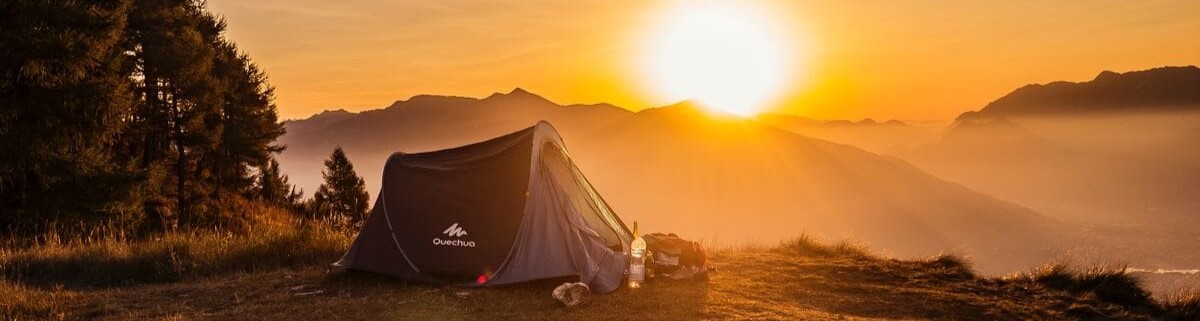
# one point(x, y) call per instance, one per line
point(1184, 306)
point(1113, 286)
point(806, 245)
point(951, 265)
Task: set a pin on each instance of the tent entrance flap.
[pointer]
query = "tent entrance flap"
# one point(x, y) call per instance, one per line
point(585, 199)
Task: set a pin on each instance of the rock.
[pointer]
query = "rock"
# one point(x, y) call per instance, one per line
point(572, 294)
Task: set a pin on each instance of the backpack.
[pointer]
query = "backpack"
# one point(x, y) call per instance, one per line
point(674, 257)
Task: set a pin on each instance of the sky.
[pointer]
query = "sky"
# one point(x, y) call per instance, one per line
point(909, 60)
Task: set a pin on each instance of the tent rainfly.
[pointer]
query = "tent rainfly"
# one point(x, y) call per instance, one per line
point(506, 210)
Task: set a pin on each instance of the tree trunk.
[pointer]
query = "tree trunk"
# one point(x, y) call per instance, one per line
point(180, 162)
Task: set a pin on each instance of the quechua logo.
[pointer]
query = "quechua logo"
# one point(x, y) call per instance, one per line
point(456, 232)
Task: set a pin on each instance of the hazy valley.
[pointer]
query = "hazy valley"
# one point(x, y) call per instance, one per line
point(1010, 193)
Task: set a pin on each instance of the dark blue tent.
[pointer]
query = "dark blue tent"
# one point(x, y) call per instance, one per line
point(510, 209)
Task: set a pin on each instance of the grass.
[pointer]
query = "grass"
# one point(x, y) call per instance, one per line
point(1109, 288)
point(278, 241)
point(809, 246)
point(26, 303)
point(1184, 306)
point(948, 266)
point(172, 256)
point(1109, 285)
point(42, 276)
point(767, 284)
point(275, 269)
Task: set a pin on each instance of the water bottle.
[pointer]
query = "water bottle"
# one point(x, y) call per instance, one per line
point(637, 259)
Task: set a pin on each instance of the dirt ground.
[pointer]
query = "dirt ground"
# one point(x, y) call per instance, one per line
point(760, 285)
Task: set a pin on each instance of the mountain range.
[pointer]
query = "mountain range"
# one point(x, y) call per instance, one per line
point(1153, 90)
point(720, 178)
point(1117, 149)
point(868, 134)
point(1107, 157)
point(1115, 156)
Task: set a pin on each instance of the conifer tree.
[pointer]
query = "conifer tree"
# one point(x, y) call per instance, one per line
point(273, 186)
point(343, 196)
point(63, 101)
point(127, 110)
point(249, 122)
point(172, 42)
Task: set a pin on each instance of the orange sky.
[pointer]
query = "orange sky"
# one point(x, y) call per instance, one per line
point(919, 60)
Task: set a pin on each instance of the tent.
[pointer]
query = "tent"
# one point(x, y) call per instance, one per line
point(506, 210)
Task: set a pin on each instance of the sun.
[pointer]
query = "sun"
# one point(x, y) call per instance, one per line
point(727, 57)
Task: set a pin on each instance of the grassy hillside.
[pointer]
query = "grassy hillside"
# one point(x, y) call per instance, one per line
point(274, 275)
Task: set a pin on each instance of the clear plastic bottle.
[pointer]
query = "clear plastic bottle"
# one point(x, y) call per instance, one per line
point(637, 259)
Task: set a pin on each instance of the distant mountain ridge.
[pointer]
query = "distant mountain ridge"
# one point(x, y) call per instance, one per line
point(425, 122)
point(1158, 89)
point(786, 120)
point(868, 134)
point(320, 120)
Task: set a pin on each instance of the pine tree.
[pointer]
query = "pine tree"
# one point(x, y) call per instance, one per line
point(249, 121)
point(273, 186)
point(172, 46)
point(343, 196)
point(206, 117)
point(64, 99)
point(128, 111)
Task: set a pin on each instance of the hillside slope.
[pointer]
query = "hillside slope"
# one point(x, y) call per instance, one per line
point(734, 180)
point(723, 179)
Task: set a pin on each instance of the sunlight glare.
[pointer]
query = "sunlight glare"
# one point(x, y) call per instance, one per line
point(724, 56)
